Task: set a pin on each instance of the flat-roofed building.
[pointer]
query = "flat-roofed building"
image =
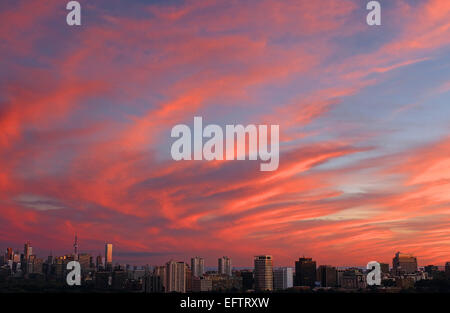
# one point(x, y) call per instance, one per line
point(224, 266)
point(176, 276)
point(201, 284)
point(404, 263)
point(263, 272)
point(283, 278)
point(305, 272)
point(327, 276)
point(197, 266)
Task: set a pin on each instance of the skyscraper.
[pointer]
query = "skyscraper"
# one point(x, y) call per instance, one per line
point(305, 272)
point(176, 276)
point(108, 255)
point(27, 251)
point(224, 266)
point(282, 278)
point(263, 272)
point(404, 263)
point(197, 266)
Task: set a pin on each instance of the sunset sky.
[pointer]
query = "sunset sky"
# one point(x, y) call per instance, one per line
point(364, 113)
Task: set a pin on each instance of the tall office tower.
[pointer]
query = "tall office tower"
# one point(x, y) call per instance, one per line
point(263, 272)
point(197, 266)
point(175, 276)
point(282, 278)
point(108, 255)
point(27, 251)
point(75, 248)
point(404, 263)
point(224, 266)
point(447, 269)
point(9, 254)
point(327, 276)
point(305, 272)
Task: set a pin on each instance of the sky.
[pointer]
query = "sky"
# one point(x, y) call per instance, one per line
point(86, 114)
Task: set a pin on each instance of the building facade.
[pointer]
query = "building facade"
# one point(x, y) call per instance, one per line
point(263, 272)
point(248, 280)
point(305, 272)
point(404, 263)
point(201, 284)
point(176, 276)
point(327, 276)
point(283, 278)
point(224, 266)
point(197, 266)
point(27, 251)
point(353, 279)
point(108, 255)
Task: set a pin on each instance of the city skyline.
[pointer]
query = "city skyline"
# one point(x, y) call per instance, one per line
point(87, 113)
point(25, 271)
point(200, 262)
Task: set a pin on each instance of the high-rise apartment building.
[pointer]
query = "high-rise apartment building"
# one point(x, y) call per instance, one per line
point(305, 272)
point(283, 278)
point(224, 266)
point(197, 266)
point(188, 275)
point(263, 272)
point(175, 276)
point(404, 263)
point(161, 272)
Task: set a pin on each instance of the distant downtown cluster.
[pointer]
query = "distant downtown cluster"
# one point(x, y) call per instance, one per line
point(176, 276)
